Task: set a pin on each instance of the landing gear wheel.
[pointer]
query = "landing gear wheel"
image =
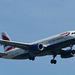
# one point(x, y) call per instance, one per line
point(53, 61)
point(32, 58)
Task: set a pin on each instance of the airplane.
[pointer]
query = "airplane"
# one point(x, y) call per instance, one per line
point(49, 46)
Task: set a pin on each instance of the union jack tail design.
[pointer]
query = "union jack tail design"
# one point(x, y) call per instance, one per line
point(6, 37)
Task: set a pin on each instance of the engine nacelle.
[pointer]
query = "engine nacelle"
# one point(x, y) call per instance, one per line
point(36, 48)
point(67, 54)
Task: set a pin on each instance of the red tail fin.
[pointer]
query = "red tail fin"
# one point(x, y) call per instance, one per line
point(6, 37)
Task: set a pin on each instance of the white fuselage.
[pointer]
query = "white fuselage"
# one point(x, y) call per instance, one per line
point(60, 38)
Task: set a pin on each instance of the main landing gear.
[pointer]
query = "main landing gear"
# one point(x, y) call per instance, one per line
point(32, 58)
point(71, 47)
point(53, 61)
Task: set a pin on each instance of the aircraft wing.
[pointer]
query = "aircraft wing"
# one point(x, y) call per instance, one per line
point(15, 44)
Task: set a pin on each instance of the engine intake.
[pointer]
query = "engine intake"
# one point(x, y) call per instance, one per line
point(40, 47)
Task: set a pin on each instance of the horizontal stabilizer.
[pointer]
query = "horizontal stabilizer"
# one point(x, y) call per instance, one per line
point(1, 54)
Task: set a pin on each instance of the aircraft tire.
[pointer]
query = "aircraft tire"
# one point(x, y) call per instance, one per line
point(32, 58)
point(53, 61)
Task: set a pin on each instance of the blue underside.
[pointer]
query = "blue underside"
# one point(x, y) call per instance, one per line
point(50, 48)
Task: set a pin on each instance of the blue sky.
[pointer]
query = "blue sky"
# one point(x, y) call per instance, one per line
point(30, 20)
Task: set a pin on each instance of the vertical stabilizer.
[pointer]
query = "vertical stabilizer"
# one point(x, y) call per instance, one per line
point(6, 37)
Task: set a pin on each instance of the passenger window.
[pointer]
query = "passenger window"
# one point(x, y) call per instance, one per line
point(73, 33)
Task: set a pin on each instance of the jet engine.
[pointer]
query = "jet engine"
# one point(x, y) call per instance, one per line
point(67, 54)
point(36, 48)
